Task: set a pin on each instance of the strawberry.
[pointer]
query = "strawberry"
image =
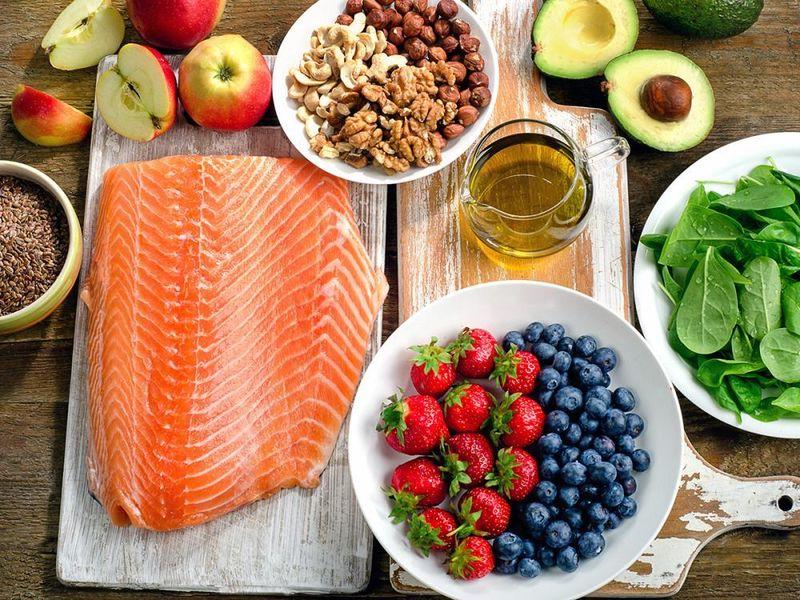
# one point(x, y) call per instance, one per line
point(416, 483)
point(471, 559)
point(474, 351)
point(467, 407)
point(483, 512)
point(414, 425)
point(467, 459)
point(516, 370)
point(516, 474)
point(432, 529)
point(517, 421)
point(432, 372)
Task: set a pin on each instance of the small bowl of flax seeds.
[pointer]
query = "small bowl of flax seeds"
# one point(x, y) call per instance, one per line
point(40, 246)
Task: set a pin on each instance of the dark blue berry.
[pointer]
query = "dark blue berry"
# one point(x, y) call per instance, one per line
point(597, 513)
point(627, 508)
point(613, 495)
point(552, 334)
point(550, 443)
point(590, 457)
point(641, 460)
point(634, 425)
point(587, 423)
point(625, 444)
point(546, 492)
point(544, 352)
point(574, 517)
point(586, 441)
point(598, 527)
point(508, 546)
point(557, 534)
point(573, 434)
point(602, 473)
point(528, 549)
point(564, 380)
point(513, 338)
point(605, 358)
point(590, 491)
point(568, 496)
point(505, 567)
point(569, 399)
point(533, 332)
point(568, 455)
point(606, 380)
point(535, 517)
point(545, 398)
point(549, 379)
point(567, 559)
point(622, 463)
point(596, 408)
point(613, 424)
point(628, 485)
point(566, 344)
point(562, 361)
point(614, 521)
point(590, 544)
point(529, 568)
point(554, 511)
point(557, 421)
point(573, 473)
point(604, 446)
point(546, 556)
point(589, 375)
point(623, 399)
point(549, 468)
point(598, 391)
point(577, 364)
point(585, 346)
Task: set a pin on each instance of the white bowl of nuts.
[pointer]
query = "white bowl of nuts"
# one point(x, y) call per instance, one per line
point(385, 91)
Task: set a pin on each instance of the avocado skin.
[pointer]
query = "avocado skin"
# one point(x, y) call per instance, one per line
point(709, 19)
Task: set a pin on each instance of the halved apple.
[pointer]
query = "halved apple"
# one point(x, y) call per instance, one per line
point(47, 121)
point(83, 34)
point(138, 97)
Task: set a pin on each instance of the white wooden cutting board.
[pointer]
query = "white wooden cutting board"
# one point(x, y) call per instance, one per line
point(298, 541)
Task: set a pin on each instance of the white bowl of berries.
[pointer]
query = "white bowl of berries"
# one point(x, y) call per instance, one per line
point(533, 447)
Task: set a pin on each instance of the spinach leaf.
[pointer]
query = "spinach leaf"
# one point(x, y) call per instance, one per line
point(769, 413)
point(725, 398)
point(763, 174)
point(676, 344)
point(741, 345)
point(747, 393)
point(790, 302)
point(697, 229)
point(708, 310)
point(787, 233)
point(789, 400)
point(760, 300)
point(793, 181)
point(671, 287)
point(654, 241)
point(786, 214)
point(699, 197)
point(712, 372)
point(758, 197)
point(737, 277)
point(783, 254)
point(780, 351)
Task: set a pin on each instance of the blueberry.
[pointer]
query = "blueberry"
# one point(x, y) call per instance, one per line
point(569, 496)
point(587, 423)
point(586, 441)
point(628, 485)
point(614, 521)
point(585, 503)
point(625, 444)
point(627, 508)
point(623, 399)
point(505, 567)
point(573, 434)
point(568, 454)
point(566, 344)
point(549, 468)
point(605, 358)
point(622, 463)
point(577, 364)
point(603, 446)
point(557, 421)
point(606, 380)
point(546, 492)
point(544, 352)
point(508, 546)
point(533, 332)
point(600, 392)
point(641, 460)
point(590, 457)
point(535, 517)
point(590, 491)
point(613, 495)
point(557, 534)
point(564, 380)
point(567, 559)
point(513, 338)
point(590, 544)
point(589, 375)
point(585, 346)
point(613, 424)
point(596, 408)
point(545, 398)
point(597, 513)
point(562, 361)
point(528, 549)
point(546, 557)
point(530, 568)
point(602, 473)
point(573, 515)
point(569, 399)
point(550, 443)
point(573, 473)
point(598, 528)
point(554, 511)
point(552, 334)
point(634, 425)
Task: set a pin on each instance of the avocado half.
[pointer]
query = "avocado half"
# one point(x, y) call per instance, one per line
point(575, 39)
point(706, 18)
point(679, 124)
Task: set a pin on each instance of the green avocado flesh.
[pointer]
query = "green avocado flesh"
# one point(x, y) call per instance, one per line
point(575, 39)
point(627, 75)
point(706, 18)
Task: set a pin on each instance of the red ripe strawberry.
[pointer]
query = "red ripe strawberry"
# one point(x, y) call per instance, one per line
point(467, 407)
point(517, 421)
point(516, 370)
point(471, 559)
point(474, 351)
point(467, 459)
point(516, 474)
point(415, 484)
point(414, 425)
point(432, 529)
point(432, 372)
point(484, 512)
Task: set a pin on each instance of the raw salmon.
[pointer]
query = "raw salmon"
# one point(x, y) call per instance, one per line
point(230, 305)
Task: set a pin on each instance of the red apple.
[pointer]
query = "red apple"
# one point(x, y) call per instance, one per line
point(138, 98)
point(225, 83)
point(45, 120)
point(175, 24)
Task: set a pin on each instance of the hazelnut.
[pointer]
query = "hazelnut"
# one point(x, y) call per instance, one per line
point(393, 17)
point(438, 141)
point(423, 63)
point(442, 28)
point(449, 44)
point(448, 93)
point(396, 36)
point(467, 115)
point(390, 49)
point(430, 15)
point(354, 6)
point(459, 70)
point(437, 54)
point(377, 18)
point(460, 27)
point(473, 61)
point(344, 19)
point(452, 131)
point(403, 6)
point(447, 9)
point(478, 79)
point(480, 98)
point(427, 35)
point(416, 48)
point(469, 43)
point(464, 98)
point(666, 98)
point(385, 3)
point(412, 24)
point(420, 5)
point(371, 5)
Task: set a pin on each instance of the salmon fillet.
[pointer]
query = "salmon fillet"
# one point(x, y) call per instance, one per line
point(230, 303)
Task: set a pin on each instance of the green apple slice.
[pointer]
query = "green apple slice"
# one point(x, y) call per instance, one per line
point(83, 34)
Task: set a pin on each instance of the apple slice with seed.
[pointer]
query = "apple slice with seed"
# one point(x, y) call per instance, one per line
point(138, 98)
point(83, 34)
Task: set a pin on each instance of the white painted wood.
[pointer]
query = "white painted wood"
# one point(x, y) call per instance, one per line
point(309, 541)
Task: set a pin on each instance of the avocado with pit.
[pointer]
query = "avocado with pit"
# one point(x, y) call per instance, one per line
point(660, 98)
point(575, 39)
point(709, 19)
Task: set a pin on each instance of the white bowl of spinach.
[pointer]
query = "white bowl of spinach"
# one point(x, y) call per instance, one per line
point(717, 283)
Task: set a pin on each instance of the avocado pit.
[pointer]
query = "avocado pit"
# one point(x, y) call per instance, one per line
point(666, 98)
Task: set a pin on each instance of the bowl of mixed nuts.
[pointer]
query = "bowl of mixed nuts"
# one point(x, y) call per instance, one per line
point(385, 91)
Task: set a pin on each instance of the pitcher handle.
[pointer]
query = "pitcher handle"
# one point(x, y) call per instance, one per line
point(607, 153)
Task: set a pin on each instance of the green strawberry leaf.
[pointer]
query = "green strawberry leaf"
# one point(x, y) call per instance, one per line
point(501, 416)
point(404, 503)
point(461, 345)
point(453, 470)
point(503, 476)
point(393, 417)
point(431, 356)
point(505, 365)
point(422, 536)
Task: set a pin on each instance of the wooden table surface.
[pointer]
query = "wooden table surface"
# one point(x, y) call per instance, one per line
point(756, 77)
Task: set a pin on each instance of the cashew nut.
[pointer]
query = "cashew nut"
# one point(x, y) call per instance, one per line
point(303, 114)
point(297, 90)
point(382, 63)
point(311, 100)
point(304, 79)
point(313, 126)
point(319, 72)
